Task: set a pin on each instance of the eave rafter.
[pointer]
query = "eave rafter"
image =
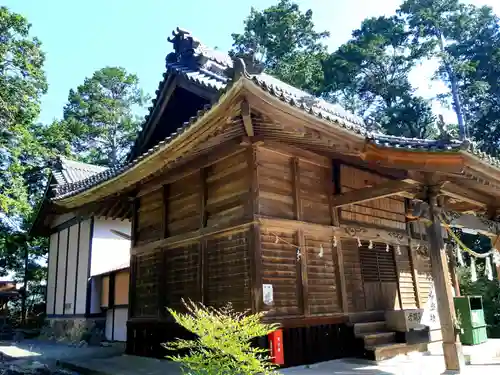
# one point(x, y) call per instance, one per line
point(246, 115)
point(383, 190)
point(455, 219)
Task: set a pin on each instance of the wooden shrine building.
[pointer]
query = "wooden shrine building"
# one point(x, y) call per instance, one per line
point(239, 182)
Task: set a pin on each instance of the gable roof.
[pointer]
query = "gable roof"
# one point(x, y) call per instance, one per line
point(210, 69)
point(216, 71)
point(66, 171)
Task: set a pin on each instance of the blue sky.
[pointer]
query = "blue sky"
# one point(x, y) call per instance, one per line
point(81, 37)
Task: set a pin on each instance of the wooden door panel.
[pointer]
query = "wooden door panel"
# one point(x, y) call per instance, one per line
point(378, 269)
point(372, 295)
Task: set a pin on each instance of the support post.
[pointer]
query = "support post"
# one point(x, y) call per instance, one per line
point(452, 348)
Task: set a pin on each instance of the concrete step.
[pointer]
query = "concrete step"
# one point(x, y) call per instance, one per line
point(378, 338)
point(386, 351)
point(370, 327)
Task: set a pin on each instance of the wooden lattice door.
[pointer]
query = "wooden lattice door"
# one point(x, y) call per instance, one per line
point(380, 280)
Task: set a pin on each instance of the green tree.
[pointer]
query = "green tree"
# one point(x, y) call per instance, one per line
point(224, 341)
point(100, 116)
point(369, 75)
point(22, 83)
point(430, 21)
point(285, 40)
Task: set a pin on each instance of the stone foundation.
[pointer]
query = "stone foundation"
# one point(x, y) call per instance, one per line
point(75, 330)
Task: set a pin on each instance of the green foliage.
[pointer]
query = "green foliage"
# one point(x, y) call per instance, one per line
point(22, 83)
point(224, 340)
point(370, 76)
point(99, 116)
point(490, 292)
point(287, 43)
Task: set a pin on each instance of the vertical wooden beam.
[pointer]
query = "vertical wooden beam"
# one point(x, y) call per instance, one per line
point(253, 176)
point(202, 246)
point(202, 270)
point(412, 258)
point(335, 215)
point(255, 255)
point(452, 348)
point(132, 285)
point(162, 283)
point(303, 273)
point(452, 267)
point(165, 196)
point(133, 260)
point(254, 250)
point(414, 275)
point(203, 198)
point(398, 272)
point(297, 204)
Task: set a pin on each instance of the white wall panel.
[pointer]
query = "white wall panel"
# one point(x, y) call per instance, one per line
point(83, 267)
point(120, 327)
point(61, 271)
point(109, 251)
point(71, 270)
point(51, 274)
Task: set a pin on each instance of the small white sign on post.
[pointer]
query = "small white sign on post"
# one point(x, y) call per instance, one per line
point(267, 291)
point(430, 316)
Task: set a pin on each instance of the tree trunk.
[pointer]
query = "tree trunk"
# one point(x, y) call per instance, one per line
point(457, 106)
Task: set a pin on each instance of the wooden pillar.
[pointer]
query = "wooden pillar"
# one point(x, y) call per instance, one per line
point(202, 246)
point(335, 217)
point(452, 348)
point(255, 250)
point(495, 244)
point(452, 265)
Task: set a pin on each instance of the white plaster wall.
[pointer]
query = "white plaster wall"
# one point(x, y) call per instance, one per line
point(108, 331)
point(109, 251)
point(118, 330)
point(71, 269)
point(51, 274)
point(61, 271)
point(121, 316)
point(83, 267)
point(95, 295)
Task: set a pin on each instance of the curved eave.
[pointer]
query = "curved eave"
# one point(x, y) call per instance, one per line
point(478, 167)
point(154, 160)
point(422, 160)
point(331, 124)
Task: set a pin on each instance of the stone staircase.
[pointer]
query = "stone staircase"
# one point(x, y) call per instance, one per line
point(377, 341)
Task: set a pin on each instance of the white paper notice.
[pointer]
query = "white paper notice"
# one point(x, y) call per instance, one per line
point(430, 316)
point(267, 290)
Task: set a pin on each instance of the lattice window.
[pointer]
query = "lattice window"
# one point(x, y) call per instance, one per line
point(377, 263)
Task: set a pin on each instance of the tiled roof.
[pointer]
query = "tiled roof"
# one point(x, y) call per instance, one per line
point(64, 191)
point(67, 171)
point(210, 68)
point(416, 144)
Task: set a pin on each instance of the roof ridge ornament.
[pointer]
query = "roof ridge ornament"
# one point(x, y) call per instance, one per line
point(245, 64)
point(187, 49)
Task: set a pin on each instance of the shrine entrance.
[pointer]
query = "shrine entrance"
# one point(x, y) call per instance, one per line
point(380, 279)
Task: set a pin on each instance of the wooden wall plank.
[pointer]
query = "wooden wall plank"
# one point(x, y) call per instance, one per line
point(322, 291)
point(354, 282)
point(386, 212)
